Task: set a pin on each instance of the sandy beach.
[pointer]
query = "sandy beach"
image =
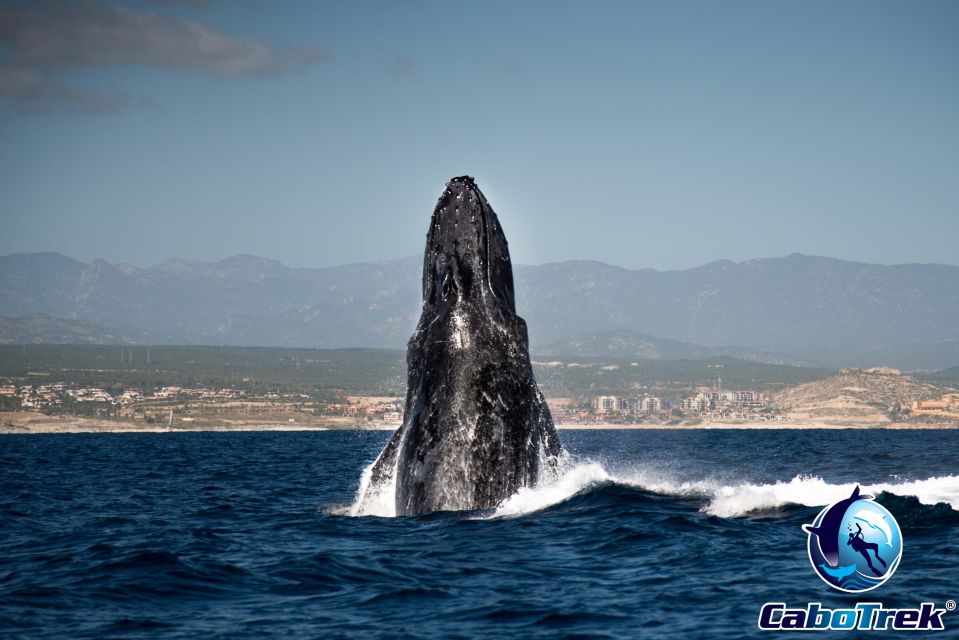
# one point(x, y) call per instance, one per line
point(25, 422)
point(37, 423)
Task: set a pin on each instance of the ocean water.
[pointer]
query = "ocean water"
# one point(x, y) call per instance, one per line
point(649, 534)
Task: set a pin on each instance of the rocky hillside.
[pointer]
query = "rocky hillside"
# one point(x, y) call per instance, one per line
point(863, 396)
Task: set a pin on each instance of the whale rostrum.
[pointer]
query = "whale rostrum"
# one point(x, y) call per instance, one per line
point(476, 428)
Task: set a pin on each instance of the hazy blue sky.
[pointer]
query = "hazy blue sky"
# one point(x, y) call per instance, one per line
point(660, 135)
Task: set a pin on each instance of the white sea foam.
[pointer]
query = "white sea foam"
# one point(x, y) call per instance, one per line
point(723, 499)
point(380, 503)
point(737, 500)
point(569, 482)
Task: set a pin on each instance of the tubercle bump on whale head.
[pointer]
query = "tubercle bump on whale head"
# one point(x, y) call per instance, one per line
point(465, 180)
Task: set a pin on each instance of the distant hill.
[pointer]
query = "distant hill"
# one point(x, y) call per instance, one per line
point(624, 344)
point(360, 371)
point(40, 328)
point(366, 371)
point(948, 377)
point(820, 310)
point(866, 395)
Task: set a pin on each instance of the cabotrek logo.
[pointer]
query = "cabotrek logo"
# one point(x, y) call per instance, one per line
point(855, 544)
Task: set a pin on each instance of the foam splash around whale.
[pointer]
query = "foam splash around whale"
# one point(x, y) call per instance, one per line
point(719, 498)
point(380, 501)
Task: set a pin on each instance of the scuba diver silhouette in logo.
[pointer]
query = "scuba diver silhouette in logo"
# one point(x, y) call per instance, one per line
point(858, 543)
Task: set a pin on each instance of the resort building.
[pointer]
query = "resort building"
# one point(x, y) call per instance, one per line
point(947, 405)
point(610, 404)
point(651, 404)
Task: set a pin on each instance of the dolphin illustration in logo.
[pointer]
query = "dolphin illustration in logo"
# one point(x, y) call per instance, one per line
point(476, 427)
point(827, 532)
point(878, 522)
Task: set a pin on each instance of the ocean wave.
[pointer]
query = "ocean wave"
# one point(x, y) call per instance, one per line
point(723, 499)
point(576, 478)
point(813, 491)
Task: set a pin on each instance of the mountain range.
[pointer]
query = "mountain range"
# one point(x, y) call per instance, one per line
point(804, 308)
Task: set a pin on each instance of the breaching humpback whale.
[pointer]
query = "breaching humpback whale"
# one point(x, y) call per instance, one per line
point(476, 428)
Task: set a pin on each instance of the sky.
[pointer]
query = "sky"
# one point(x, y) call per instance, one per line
point(663, 135)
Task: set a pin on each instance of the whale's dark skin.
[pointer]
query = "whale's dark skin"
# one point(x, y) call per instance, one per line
point(476, 428)
point(828, 530)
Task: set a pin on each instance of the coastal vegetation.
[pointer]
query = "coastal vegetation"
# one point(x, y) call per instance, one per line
point(329, 373)
point(224, 386)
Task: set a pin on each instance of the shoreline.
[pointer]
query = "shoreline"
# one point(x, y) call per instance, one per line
point(27, 423)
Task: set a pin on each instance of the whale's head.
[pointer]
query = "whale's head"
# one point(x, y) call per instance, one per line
point(476, 427)
point(466, 262)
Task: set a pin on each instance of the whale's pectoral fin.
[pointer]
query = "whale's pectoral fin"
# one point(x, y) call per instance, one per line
point(808, 528)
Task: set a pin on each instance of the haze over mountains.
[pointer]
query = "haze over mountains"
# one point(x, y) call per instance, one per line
point(623, 344)
point(797, 308)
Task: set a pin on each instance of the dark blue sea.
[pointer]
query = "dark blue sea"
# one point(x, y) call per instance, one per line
point(650, 534)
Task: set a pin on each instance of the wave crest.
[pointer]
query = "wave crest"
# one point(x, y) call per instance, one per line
point(723, 499)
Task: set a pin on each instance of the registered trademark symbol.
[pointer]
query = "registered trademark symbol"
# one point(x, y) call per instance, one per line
point(950, 605)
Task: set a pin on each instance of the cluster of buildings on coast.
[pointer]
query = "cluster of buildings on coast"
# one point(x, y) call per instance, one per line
point(706, 402)
point(380, 410)
point(30, 397)
point(62, 397)
point(947, 405)
point(57, 394)
point(703, 403)
point(645, 405)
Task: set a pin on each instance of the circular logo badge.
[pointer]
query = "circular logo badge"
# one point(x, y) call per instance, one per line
point(854, 544)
